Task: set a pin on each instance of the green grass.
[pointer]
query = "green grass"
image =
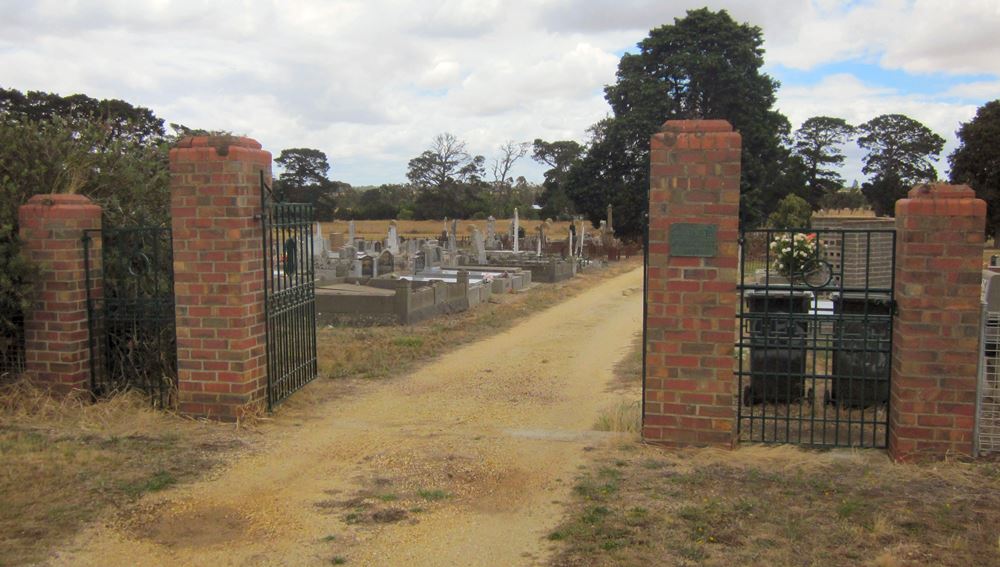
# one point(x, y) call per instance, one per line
point(432, 495)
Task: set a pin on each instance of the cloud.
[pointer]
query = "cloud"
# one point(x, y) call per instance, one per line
point(847, 97)
point(371, 82)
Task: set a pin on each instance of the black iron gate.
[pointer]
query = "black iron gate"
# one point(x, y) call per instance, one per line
point(815, 338)
point(130, 311)
point(289, 295)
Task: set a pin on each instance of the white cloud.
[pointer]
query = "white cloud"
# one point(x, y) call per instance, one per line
point(847, 97)
point(370, 82)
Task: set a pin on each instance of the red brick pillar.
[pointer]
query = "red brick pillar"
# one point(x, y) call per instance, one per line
point(939, 262)
point(57, 348)
point(694, 193)
point(219, 274)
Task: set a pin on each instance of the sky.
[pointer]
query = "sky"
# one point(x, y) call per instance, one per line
point(371, 82)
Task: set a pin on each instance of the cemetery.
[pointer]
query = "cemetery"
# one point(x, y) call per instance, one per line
point(399, 280)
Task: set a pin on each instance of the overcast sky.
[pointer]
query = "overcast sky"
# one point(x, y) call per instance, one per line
point(371, 82)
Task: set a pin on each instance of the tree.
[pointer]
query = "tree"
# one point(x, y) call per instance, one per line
point(703, 66)
point(510, 152)
point(792, 212)
point(899, 156)
point(976, 161)
point(446, 163)
point(121, 120)
point(560, 157)
point(817, 144)
point(304, 180)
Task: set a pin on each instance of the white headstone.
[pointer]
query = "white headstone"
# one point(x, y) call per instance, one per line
point(491, 232)
point(350, 233)
point(479, 246)
point(319, 243)
point(392, 243)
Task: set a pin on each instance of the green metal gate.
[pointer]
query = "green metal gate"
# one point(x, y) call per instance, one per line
point(815, 336)
point(289, 295)
point(130, 312)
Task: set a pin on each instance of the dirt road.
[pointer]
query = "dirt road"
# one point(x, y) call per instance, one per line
point(463, 462)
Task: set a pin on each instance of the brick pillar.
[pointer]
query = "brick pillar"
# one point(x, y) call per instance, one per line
point(939, 260)
point(694, 194)
point(57, 344)
point(218, 272)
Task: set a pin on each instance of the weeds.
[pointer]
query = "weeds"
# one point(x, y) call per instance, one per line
point(778, 506)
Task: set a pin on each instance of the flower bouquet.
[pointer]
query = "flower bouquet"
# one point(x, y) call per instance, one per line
point(796, 256)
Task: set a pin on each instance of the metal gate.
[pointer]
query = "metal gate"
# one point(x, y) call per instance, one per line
point(815, 336)
point(130, 312)
point(289, 295)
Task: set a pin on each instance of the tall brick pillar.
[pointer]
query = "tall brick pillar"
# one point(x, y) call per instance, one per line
point(219, 274)
point(690, 389)
point(57, 352)
point(939, 260)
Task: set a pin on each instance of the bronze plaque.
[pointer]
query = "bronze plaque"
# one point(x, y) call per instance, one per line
point(688, 239)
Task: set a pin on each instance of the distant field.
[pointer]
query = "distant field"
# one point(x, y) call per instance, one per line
point(377, 229)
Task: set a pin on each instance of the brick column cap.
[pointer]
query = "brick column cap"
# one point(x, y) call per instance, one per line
point(220, 143)
point(696, 126)
point(940, 191)
point(59, 199)
point(941, 199)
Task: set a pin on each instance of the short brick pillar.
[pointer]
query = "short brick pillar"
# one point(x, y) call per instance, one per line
point(219, 274)
point(689, 388)
point(939, 260)
point(57, 341)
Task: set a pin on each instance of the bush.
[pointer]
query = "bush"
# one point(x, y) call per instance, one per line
point(128, 178)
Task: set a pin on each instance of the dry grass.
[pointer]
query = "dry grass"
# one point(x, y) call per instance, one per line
point(774, 505)
point(66, 461)
point(779, 505)
point(377, 352)
point(377, 229)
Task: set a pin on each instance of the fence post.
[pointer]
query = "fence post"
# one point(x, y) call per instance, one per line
point(56, 337)
point(940, 231)
point(689, 389)
point(219, 275)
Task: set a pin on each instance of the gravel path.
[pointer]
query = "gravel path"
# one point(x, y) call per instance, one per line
point(464, 462)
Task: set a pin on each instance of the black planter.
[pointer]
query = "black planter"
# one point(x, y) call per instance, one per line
point(777, 345)
point(861, 357)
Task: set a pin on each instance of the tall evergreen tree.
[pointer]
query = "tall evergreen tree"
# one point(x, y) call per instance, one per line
point(703, 66)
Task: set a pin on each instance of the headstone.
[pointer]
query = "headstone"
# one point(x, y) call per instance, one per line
point(479, 246)
point(367, 266)
point(351, 234)
point(319, 243)
point(516, 231)
point(392, 242)
point(572, 235)
point(454, 228)
point(386, 262)
point(611, 224)
point(452, 243)
point(336, 241)
point(491, 232)
point(583, 235)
